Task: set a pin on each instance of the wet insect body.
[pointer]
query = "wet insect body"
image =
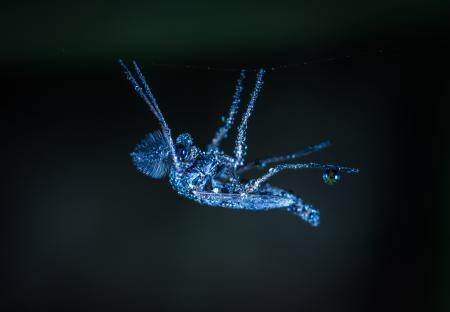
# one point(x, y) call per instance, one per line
point(212, 177)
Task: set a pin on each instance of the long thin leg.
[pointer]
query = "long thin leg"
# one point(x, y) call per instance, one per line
point(253, 185)
point(306, 211)
point(240, 148)
point(222, 132)
point(262, 163)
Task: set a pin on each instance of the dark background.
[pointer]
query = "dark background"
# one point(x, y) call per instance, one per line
point(83, 230)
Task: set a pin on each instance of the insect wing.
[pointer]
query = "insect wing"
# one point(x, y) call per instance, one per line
point(246, 201)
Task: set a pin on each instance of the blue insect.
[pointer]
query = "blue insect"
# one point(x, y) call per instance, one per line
point(212, 177)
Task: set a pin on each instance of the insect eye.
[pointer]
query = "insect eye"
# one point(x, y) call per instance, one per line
point(331, 176)
point(181, 151)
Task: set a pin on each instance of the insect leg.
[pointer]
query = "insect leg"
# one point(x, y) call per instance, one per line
point(222, 132)
point(262, 163)
point(153, 105)
point(240, 148)
point(253, 185)
point(307, 212)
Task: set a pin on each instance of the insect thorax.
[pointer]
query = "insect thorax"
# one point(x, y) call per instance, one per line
point(196, 175)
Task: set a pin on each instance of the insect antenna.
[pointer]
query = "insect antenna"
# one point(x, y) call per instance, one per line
point(148, 97)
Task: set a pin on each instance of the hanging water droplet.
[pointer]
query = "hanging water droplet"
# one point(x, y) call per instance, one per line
point(331, 176)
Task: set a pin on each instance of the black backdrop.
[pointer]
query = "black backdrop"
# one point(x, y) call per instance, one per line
point(83, 230)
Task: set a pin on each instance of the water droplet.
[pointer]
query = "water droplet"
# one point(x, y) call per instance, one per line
point(331, 176)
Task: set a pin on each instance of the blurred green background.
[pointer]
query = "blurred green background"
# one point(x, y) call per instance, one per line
point(186, 30)
point(83, 230)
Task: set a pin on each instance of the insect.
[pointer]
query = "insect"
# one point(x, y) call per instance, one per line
point(212, 177)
